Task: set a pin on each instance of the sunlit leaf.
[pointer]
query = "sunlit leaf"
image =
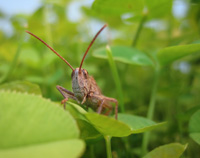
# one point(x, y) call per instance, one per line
point(21, 86)
point(27, 119)
point(72, 148)
point(173, 150)
point(170, 54)
point(194, 127)
point(125, 54)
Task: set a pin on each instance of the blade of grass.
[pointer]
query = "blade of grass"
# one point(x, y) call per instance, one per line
point(151, 110)
point(139, 29)
point(14, 61)
point(116, 78)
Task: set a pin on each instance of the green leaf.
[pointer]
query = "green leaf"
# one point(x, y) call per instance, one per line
point(62, 149)
point(77, 107)
point(112, 20)
point(124, 126)
point(108, 126)
point(194, 127)
point(173, 150)
point(27, 119)
point(138, 124)
point(88, 132)
point(22, 86)
point(170, 54)
point(57, 2)
point(154, 8)
point(158, 8)
point(118, 7)
point(76, 110)
point(125, 54)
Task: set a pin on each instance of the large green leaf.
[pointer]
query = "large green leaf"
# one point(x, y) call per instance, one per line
point(124, 126)
point(194, 127)
point(125, 54)
point(170, 54)
point(138, 124)
point(27, 119)
point(69, 148)
point(22, 86)
point(173, 150)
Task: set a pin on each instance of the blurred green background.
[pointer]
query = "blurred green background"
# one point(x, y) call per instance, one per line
point(69, 26)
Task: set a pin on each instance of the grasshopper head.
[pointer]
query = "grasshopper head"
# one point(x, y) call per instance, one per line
point(80, 83)
point(80, 78)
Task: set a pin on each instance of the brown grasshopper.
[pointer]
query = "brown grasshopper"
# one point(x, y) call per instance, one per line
point(85, 88)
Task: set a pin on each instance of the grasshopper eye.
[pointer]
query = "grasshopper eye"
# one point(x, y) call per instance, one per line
point(85, 74)
point(72, 74)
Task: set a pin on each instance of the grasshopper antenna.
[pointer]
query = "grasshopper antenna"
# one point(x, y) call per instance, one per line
point(51, 49)
point(91, 45)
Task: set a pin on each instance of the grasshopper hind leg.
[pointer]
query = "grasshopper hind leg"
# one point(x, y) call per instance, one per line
point(104, 104)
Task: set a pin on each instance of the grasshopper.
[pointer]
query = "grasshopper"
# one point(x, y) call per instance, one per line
point(85, 88)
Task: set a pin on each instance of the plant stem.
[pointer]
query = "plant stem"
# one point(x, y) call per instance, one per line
point(151, 109)
point(116, 78)
point(91, 148)
point(108, 146)
point(139, 29)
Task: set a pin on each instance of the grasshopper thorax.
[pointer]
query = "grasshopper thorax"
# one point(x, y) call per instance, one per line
point(80, 83)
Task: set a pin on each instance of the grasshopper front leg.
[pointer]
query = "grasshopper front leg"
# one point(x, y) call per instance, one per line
point(66, 94)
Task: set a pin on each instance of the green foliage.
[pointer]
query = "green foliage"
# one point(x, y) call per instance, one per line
point(154, 8)
point(173, 150)
point(151, 68)
point(194, 127)
point(118, 7)
point(21, 86)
